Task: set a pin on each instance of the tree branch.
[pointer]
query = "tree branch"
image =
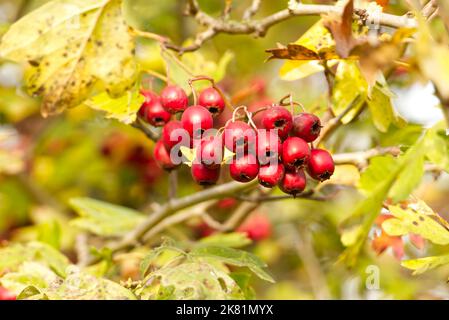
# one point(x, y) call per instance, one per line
point(260, 27)
point(360, 158)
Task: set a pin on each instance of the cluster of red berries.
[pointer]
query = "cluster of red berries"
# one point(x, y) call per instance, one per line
point(277, 153)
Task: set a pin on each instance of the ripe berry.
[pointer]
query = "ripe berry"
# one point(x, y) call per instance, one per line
point(212, 101)
point(238, 134)
point(269, 146)
point(173, 133)
point(162, 156)
point(210, 151)
point(294, 182)
point(6, 295)
point(321, 165)
point(174, 99)
point(196, 120)
point(271, 174)
point(244, 168)
point(278, 118)
point(306, 126)
point(295, 153)
point(152, 111)
point(256, 226)
point(203, 175)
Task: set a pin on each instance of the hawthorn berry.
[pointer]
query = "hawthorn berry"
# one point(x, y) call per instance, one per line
point(174, 99)
point(306, 126)
point(295, 153)
point(173, 133)
point(244, 168)
point(162, 156)
point(271, 174)
point(294, 182)
point(277, 117)
point(268, 147)
point(195, 120)
point(238, 134)
point(257, 227)
point(321, 165)
point(211, 99)
point(204, 175)
point(152, 111)
point(6, 295)
point(210, 151)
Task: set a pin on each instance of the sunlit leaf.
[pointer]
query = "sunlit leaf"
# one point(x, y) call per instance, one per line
point(103, 218)
point(71, 46)
point(422, 265)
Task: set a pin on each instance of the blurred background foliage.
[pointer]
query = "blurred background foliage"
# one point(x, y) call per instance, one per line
point(46, 162)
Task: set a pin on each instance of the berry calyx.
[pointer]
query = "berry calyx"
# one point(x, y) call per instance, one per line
point(211, 99)
point(269, 146)
point(294, 182)
point(195, 120)
point(204, 175)
point(257, 227)
point(162, 156)
point(152, 111)
point(238, 134)
point(174, 99)
point(278, 118)
point(321, 165)
point(306, 126)
point(295, 153)
point(210, 151)
point(271, 174)
point(173, 133)
point(244, 168)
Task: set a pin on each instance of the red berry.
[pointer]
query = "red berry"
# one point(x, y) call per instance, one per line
point(244, 168)
point(203, 175)
point(210, 151)
point(269, 146)
point(294, 182)
point(196, 120)
point(306, 126)
point(211, 99)
point(162, 156)
point(226, 203)
point(174, 99)
point(278, 118)
point(321, 165)
point(238, 134)
point(295, 153)
point(256, 226)
point(173, 133)
point(152, 111)
point(6, 295)
point(271, 174)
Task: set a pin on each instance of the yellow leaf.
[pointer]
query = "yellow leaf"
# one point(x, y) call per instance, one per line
point(72, 46)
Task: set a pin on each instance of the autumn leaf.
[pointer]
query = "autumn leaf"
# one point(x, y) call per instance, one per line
point(341, 29)
point(78, 45)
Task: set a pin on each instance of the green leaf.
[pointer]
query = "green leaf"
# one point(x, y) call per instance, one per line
point(29, 274)
point(50, 233)
point(79, 285)
point(385, 177)
point(411, 221)
point(123, 108)
point(424, 264)
point(231, 240)
point(350, 89)
point(234, 257)
point(382, 111)
point(12, 256)
point(72, 46)
point(243, 281)
point(104, 218)
point(437, 145)
point(191, 280)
